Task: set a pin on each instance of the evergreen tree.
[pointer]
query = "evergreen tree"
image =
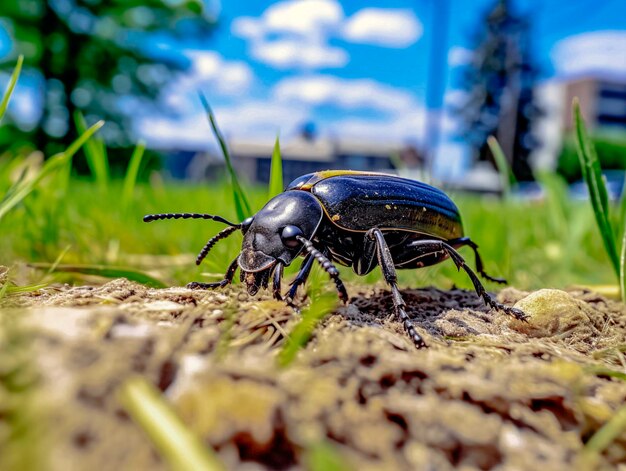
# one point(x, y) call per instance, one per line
point(500, 81)
point(99, 57)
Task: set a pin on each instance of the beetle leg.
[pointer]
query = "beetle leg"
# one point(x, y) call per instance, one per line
point(389, 272)
point(479, 263)
point(278, 275)
point(212, 241)
point(438, 245)
point(301, 277)
point(365, 262)
point(327, 265)
point(228, 278)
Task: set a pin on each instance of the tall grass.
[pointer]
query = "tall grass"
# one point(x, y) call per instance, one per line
point(96, 153)
point(24, 186)
point(4, 104)
point(276, 184)
point(507, 179)
point(130, 179)
point(598, 194)
point(242, 206)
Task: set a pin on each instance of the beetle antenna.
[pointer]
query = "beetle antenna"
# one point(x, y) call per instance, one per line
point(328, 267)
point(212, 241)
point(156, 217)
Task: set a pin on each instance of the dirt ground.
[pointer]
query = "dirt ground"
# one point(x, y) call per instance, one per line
point(488, 393)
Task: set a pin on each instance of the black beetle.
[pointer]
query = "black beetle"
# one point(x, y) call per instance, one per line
point(357, 219)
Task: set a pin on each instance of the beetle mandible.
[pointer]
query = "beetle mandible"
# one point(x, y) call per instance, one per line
point(357, 219)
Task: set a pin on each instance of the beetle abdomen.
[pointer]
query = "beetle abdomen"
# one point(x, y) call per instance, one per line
point(360, 202)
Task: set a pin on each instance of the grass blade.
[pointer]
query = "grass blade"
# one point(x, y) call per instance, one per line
point(604, 437)
point(104, 271)
point(276, 184)
point(311, 316)
point(324, 457)
point(84, 137)
point(130, 180)
point(4, 104)
point(242, 207)
point(622, 265)
point(507, 179)
point(4, 289)
point(180, 447)
point(21, 189)
point(592, 174)
point(95, 151)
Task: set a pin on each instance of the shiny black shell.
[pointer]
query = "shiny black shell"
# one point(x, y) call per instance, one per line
point(359, 201)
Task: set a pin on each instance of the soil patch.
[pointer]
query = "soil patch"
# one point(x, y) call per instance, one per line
point(489, 393)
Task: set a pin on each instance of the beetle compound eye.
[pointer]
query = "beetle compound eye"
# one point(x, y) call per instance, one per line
point(245, 225)
point(289, 235)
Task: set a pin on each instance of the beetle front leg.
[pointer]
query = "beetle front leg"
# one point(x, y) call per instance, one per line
point(328, 267)
point(228, 278)
point(389, 273)
point(278, 275)
point(300, 279)
point(459, 261)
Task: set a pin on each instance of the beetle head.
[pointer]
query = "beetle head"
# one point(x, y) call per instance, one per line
point(270, 236)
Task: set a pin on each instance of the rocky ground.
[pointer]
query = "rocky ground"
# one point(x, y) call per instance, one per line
point(488, 393)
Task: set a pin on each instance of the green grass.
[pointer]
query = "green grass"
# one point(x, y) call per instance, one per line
point(507, 179)
point(552, 243)
point(4, 103)
point(276, 184)
point(242, 206)
point(96, 154)
point(181, 448)
point(592, 174)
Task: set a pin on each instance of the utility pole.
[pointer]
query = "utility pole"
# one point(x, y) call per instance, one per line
point(436, 81)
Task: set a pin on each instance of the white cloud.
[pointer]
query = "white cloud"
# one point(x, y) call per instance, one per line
point(599, 52)
point(293, 53)
point(249, 119)
point(247, 27)
point(459, 56)
point(210, 69)
point(346, 93)
point(305, 17)
point(406, 126)
point(295, 33)
point(383, 27)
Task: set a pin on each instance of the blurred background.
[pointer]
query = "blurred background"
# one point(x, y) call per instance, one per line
point(413, 85)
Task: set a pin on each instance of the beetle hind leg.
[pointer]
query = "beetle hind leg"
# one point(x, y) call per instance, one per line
point(389, 272)
point(459, 261)
point(479, 262)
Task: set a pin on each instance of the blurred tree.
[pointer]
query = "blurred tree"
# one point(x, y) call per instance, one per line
point(500, 81)
point(106, 58)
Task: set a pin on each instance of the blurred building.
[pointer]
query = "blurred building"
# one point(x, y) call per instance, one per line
point(602, 103)
point(252, 159)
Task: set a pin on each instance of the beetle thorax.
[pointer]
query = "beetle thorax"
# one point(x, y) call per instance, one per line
point(264, 243)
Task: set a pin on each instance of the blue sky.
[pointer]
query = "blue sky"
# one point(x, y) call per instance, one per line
point(357, 69)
